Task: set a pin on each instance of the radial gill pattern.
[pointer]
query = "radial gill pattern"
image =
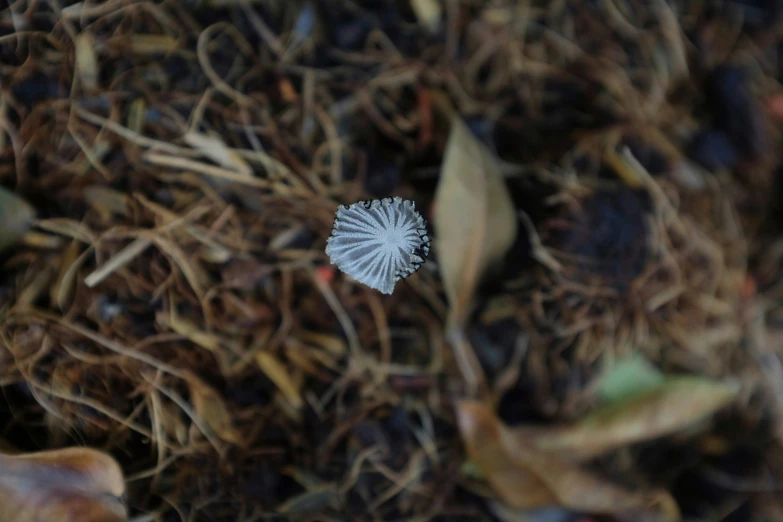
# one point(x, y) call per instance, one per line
point(379, 242)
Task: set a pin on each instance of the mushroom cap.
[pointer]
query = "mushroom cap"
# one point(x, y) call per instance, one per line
point(379, 242)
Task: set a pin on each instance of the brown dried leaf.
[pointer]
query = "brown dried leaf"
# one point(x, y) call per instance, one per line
point(474, 217)
point(482, 433)
point(69, 485)
point(525, 478)
point(210, 407)
point(675, 405)
point(16, 218)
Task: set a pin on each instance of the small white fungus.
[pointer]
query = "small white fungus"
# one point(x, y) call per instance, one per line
point(379, 242)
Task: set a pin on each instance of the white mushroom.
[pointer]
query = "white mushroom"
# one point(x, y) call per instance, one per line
point(379, 242)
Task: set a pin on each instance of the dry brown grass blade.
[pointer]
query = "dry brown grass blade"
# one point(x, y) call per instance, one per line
point(277, 373)
point(215, 149)
point(122, 258)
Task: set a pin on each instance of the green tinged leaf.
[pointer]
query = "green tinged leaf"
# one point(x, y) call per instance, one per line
point(628, 377)
point(675, 405)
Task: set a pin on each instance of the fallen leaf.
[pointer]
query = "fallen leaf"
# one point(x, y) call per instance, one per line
point(16, 218)
point(210, 407)
point(675, 405)
point(525, 478)
point(475, 225)
point(68, 485)
point(482, 433)
point(474, 217)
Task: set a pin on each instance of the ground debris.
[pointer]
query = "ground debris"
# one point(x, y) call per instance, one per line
point(166, 296)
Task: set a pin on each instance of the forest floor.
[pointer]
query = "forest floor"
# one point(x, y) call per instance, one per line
point(595, 336)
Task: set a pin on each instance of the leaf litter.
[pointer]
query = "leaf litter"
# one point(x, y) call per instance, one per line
point(475, 226)
point(165, 295)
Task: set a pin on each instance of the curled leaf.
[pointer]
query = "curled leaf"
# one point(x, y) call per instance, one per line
point(515, 484)
point(474, 217)
point(69, 485)
point(526, 478)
